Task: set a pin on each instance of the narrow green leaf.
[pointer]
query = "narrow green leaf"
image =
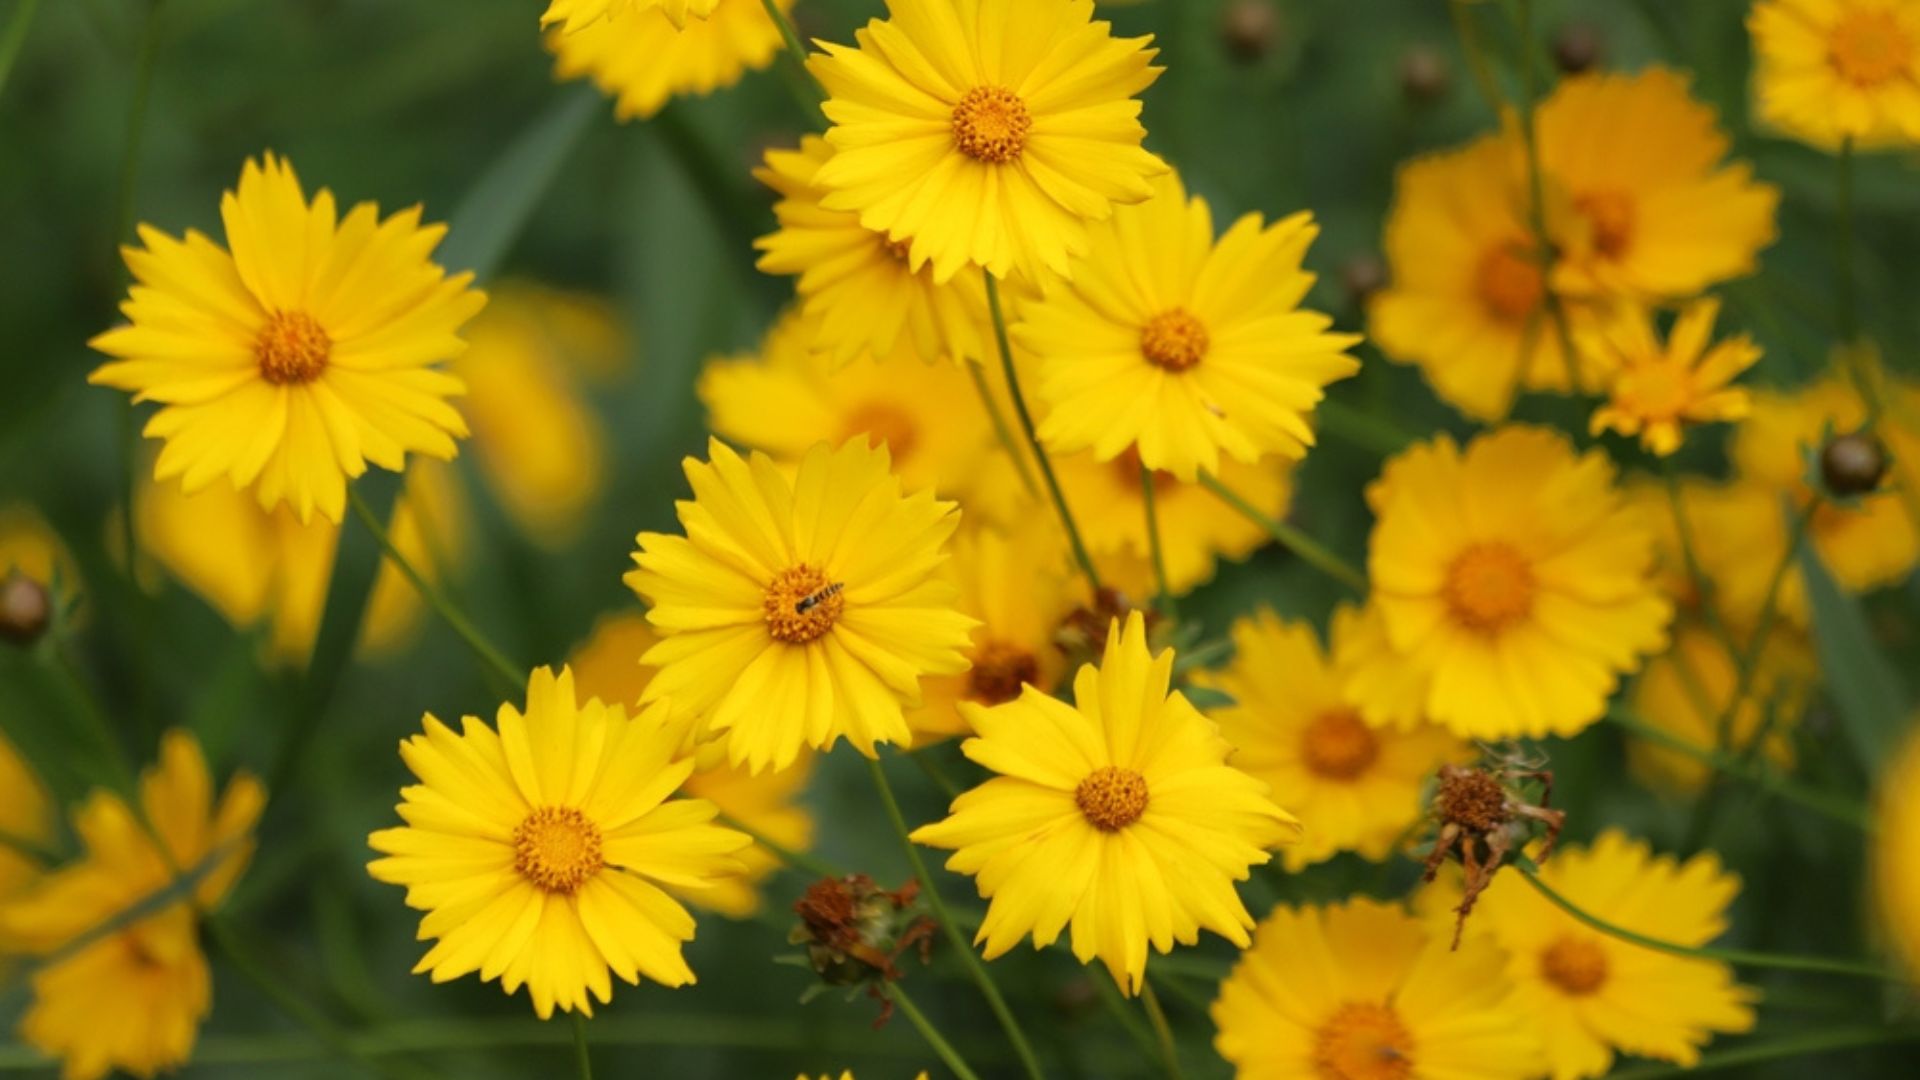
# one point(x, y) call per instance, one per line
point(1871, 700)
point(489, 219)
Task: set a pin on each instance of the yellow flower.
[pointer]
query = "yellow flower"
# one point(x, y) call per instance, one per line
point(608, 667)
point(1896, 853)
point(288, 364)
point(539, 443)
point(800, 608)
point(1118, 814)
point(538, 850)
point(1181, 347)
point(1356, 787)
point(1514, 578)
point(1655, 212)
point(573, 15)
point(860, 297)
point(150, 975)
point(1587, 994)
point(848, 1075)
point(26, 816)
point(1657, 387)
point(1685, 691)
point(986, 132)
point(270, 570)
point(1739, 533)
point(1363, 991)
point(641, 59)
point(1829, 71)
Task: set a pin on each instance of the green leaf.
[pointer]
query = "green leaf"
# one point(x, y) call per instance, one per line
point(1871, 700)
point(490, 217)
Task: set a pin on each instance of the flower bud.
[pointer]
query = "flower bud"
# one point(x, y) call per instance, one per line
point(1248, 28)
point(1578, 47)
point(1362, 275)
point(1424, 75)
point(25, 609)
point(1853, 464)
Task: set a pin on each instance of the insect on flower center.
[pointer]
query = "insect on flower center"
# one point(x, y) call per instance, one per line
point(1575, 965)
point(1364, 1041)
point(802, 605)
point(1509, 282)
point(990, 124)
point(999, 671)
point(292, 348)
point(1610, 215)
point(1488, 587)
point(1338, 746)
point(1869, 47)
point(1111, 798)
point(557, 848)
point(884, 422)
point(1175, 340)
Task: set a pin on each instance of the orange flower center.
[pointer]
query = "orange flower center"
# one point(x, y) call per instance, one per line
point(1611, 216)
point(885, 422)
point(1111, 798)
point(1488, 586)
point(1869, 47)
point(292, 348)
point(990, 124)
point(557, 849)
point(1338, 746)
point(1575, 965)
point(1509, 282)
point(999, 671)
point(1364, 1041)
point(898, 249)
point(802, 605)
point(1175, 340)
point(1655, 390)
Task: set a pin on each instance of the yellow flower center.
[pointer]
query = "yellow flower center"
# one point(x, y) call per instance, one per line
point(557, 849)
point(802, 605)
point(999, 670)
point(884, 422)
point(1111, 798)
point(1338, 746)
point(990, 124)
point(1509, 282)
point(1364, 1041)
point(1488, 586)
point(1869, 47)
point(1575, 965)
point(1611, 216)
point(1655, 390)
point(292, 348)
point(1175, 340)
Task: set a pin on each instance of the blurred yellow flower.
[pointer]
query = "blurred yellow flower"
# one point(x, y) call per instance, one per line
point(1514, 578)
point(1685, 690)
point(638, 57)
point(149, 976)
point(538, 848)
point(860, 298)
point(803, 606)
point(1830, 71)
point(1118, 814)
point(1658, 387)
point(986, 132)
point(1364, 991)
point(1588, 995)
point(288, 364)
point(1896, 852)
point(1738, 532)
point(573, 15)
point(1183, 348)
point(26, 822)
point(1356, 787)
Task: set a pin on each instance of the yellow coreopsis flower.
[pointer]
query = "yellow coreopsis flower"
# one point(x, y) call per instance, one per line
point(1514, 579)
point(574, 15)
point(800, 608)
point(1659, 387)
point(1356, 787)
point(305, 349)
point(641, 59)
point(1896, 853)
point(1117, 815)
point(860, 297)
point(1364, 991)
point(149, 975)
point(26, 816)
point(1833, 71)
point(1588, 995)
point(986, 132)
point(538, 847)
point(1655, 213)
point(1685, 691)
point(1181, 347)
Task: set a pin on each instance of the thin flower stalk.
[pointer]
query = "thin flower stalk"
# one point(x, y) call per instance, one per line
point(1309, 550)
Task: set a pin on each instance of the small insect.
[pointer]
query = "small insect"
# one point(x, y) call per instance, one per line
point(808, 603)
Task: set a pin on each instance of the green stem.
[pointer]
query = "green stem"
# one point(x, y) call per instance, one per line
point(1363, 429)
point(961, 946)
point(807, 89)
point(15, 37)
point(1791, 1046)
point(1163, 595)
point(1162, 1031)
point(99, 727)
point(1846, 310)
point(798, 860)
point(1537, 193)
point(941, 1047)
point(1001, 429)
point(1129, 1021)
point(1476, 54)
point(1828, 806)
point(582, 1056)
point(1080, 555)
point(1740, 957)
point(1309, 550)
point(1702, 585)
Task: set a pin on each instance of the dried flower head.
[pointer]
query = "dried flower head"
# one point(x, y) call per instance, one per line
point(1486, 813)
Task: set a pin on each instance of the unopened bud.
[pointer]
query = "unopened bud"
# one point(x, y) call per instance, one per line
point(1248, 29)
point(1853, 464)
point(1424, 75)
point(25, 608)
point(1578, 47)
point(1363, 275)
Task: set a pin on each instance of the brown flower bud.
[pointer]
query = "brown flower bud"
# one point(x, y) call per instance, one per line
point(1425, 76)
point(1853, 464)
point(1578, 47)
point(25, 608)
point(1248, 29)
point(1362, 275)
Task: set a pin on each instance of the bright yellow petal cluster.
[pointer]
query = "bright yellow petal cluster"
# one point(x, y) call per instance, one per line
point(986, 132)
point(1118, 815)
point(802, 606)
point(1183, 348)
point(305, 349)
point(639, 56)
point(1834, 71)
point(1686, 690)
point(1364, 991)
point(1896, 853)
point(1659, 387)
point(1514, 579)
point(538, 848)
point(26, 815)
point(1588, 995)
point(573, 15)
